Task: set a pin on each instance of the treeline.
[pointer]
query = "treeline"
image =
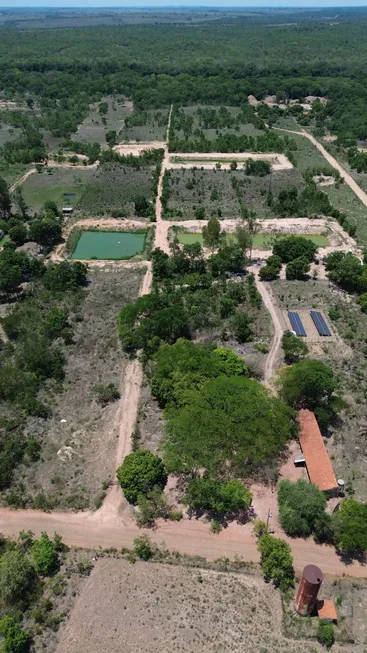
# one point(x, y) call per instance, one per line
point(230, 142)
point(146, 158)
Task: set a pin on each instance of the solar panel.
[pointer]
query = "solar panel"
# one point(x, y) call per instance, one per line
point(296, 323)
point(320, 324)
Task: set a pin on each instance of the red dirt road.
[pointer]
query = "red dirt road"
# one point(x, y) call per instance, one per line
point(191, 537)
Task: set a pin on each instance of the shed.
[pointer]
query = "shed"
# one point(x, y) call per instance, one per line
point(326, 610)
point(67, 210)
point(319, 468)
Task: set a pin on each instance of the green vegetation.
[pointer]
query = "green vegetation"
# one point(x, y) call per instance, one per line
point(294, 348)
point(65, 186)
point(297, 269)
point(351, 528)
point(293, 247)
point(276, 561)
point(301, 505)
point(325, 633)
point(218, 498)
point(139, 473)
point(106, 393)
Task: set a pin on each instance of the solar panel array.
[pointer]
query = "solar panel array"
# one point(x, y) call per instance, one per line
point(296, 323)
point(320, 324)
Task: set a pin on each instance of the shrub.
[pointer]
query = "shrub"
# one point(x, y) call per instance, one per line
point(44, 555)
point(294, 348)
point(143, 547)
point(325, 633)
point(15, 639)
point(106, 393)
point(217, 496)
point(294, 247)
point(276, 561)
point(297, 269)
point(300, 505)
point(17, 578)
point(240, 324)
point(269, 273)
point(140, 472)
point(350, 523)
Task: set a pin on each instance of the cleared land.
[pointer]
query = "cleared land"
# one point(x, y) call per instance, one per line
point(93, 129)
point(65, 186)
point(198, 122)
point(213, 190)
point(160, 609)
point(116, 187)
point(209, 160)
point(347, 356)
point(78, 455)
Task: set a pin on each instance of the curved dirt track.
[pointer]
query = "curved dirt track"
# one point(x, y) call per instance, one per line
point(333, 162)
point(22, 179)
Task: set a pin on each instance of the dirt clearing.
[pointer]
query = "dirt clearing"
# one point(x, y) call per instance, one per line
point(160, 609)
point(79, 441)
point(138, 148)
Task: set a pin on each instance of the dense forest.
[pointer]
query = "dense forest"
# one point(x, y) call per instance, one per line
point(217, 63)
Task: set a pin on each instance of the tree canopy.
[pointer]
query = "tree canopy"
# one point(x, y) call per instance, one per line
point(301, 504)
point(294, 247)
point(140, 472)
point(307, 384)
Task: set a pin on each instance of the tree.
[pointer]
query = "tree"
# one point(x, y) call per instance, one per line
point(294, 348)
point(17, 578)
point(143, 547)
point(217, 497)
point(60, 277)
point(233, 165)
point(256, 427)
point(18, 234)
point(276, 561)
point(294, 247)
point(269, 272)
point(200, 213)
point(241, 326)
point(345, 270)
point(300, 505)
point(307, 384)
point(15, 639)
point(350, 523)
point(140, 472)
point(103, 108)
point(141, 206)
point(211, 233)
point(45, 232)
point(244, 238)
point(106, 393)
point(185, 366)
point(111, 138)
point(50, 209)
point(258, 168)
point(297, 269)
point(44, 555)
point(325, 633)
point(20, 203)
point(5, 201)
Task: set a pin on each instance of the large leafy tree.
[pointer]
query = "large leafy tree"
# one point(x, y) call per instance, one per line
point(307, 384)
point(211, 233)
point(301, 504)
point(293, 247)
point(231, 426)
point(17, 578)
point(140, 472)
point(350, 523)
point(276, 560)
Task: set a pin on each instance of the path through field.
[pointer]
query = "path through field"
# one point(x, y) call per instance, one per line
point(333, 162)
point(22, 179)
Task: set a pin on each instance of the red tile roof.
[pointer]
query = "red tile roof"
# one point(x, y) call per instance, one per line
point(318, 463)
point(326, 610)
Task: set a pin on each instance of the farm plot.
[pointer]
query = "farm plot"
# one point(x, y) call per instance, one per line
point(116, 187)
point(145, 126)
point(161, 608)
point(213, 119)
point(347, 356)
point(64, 186)
point(214, 191)
point(78, 454)
point(95, 127)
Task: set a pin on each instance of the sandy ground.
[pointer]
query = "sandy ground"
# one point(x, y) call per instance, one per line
point(138, 148)
point(159, 608)
point(279, 161)
point(22, 179)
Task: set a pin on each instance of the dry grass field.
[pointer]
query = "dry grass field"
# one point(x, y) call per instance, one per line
point(159, 608)
point(78, 454)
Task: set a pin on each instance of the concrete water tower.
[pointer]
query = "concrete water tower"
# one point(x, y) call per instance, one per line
point(308, 590)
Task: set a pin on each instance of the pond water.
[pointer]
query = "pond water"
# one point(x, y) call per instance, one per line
point(108, 245)
point(260, 241)
point(69, 196)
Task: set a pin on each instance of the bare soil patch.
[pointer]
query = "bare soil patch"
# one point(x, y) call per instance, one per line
point(138, 148)
point(78, 454)
point(160, 609)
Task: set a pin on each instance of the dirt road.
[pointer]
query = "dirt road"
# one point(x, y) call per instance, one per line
point(162, 226)
point(191, 537)
point(22, 179)
point(333, 162)
point(273, 356)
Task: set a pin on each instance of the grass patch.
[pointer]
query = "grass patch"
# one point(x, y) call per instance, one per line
point(261, 241)
point(42, 187)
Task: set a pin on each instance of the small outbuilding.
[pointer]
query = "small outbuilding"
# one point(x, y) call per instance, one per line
point(67, 210)
point(326, 610)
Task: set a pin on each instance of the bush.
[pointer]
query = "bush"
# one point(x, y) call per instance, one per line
point(307, 384)
point(240, 325)
point(276, 561)
point(216, 496)
point(140, 472)
point(297, 269)
point(15, 639)
point(44, 555)
point(350, 523)
point(17, 578)
point(143, 547)
point(325, 633)
point(269, 273)
point(300, 505)
point(106, 393)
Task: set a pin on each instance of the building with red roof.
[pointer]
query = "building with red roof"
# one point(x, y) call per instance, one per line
point(319, 468)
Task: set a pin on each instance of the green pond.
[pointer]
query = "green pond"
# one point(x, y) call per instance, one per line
point(260, 241)
point(108, 245)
